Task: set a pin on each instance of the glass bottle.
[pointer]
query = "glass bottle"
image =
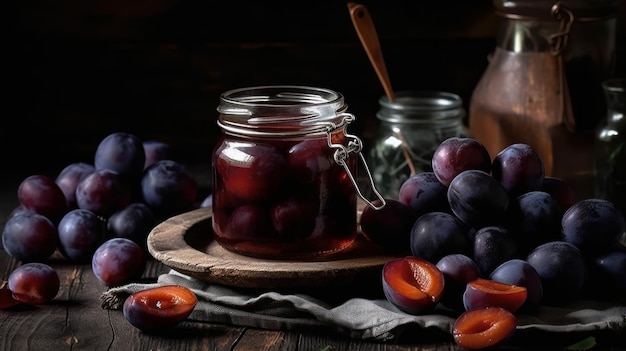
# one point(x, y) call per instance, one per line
point(283, 173)
point(611, 145)
point(410, 129)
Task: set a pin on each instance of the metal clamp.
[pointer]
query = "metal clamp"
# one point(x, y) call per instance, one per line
point(343, 152)
point(558, 40)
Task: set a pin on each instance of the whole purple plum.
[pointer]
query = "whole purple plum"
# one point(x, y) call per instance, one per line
point(594, 226)
point(34, 283)
point(424, 193)
point(168, 188)
point(457, 154)
point(562, 268)
point(29, 236)
point(122, 153)
point(519, 168)
point(118, 261)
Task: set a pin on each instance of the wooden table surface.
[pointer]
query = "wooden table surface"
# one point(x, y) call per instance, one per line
point(76, 321)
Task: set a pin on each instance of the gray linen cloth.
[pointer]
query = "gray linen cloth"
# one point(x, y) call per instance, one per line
point(361, 318)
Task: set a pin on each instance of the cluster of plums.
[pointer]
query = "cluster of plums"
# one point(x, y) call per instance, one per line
point(488, 238)
point(99, 213)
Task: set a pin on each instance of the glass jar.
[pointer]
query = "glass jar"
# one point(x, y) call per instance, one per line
point(283, 175)
point(410, 129)
point(611, 145)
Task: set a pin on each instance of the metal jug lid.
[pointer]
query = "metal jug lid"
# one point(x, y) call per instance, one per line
point(581, 9)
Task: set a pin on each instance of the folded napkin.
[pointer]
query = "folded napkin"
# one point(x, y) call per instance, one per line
point(361, 318)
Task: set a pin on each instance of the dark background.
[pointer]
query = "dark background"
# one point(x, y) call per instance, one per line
point(75, 71)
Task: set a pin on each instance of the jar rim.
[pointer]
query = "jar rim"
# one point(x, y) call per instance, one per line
point(287, 95)
point(421, 106)
point(422, 99)
point(614, 84)
point(281, 110)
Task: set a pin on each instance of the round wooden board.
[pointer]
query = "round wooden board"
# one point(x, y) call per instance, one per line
point(185, 243)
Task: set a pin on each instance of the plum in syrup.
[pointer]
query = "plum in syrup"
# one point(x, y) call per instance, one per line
point(252, 172)
point(310, 158)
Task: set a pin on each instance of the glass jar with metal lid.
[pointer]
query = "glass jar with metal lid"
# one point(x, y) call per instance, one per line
point(410, 129)
point(283, 173)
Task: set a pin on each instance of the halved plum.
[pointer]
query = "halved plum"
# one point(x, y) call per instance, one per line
point(484, 327)
point(480, 293)
point(160, 307)
point(414, 285)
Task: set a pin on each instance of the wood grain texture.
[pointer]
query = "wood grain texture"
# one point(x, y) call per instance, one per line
point(185, 243)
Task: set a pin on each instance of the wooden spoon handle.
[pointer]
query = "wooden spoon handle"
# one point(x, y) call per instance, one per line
point(366, 30)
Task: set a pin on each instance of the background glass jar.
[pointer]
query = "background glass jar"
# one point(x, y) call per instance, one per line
point(410, 129)
point(610, 148)
point(283, 184)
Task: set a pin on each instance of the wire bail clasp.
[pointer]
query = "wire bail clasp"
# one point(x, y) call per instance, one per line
point(565, 18)
point(342, 154)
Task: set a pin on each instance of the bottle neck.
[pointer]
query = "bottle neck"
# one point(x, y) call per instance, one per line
point(525, 35)
point(615, 96)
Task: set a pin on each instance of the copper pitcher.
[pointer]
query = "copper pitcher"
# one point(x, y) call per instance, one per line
point(525, 94)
